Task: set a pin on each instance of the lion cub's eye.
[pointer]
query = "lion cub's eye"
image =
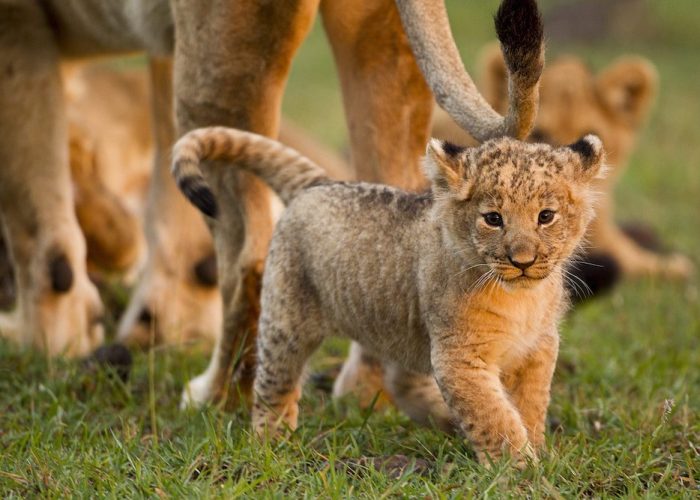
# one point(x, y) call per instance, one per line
point(545, 217)
point(493, 219)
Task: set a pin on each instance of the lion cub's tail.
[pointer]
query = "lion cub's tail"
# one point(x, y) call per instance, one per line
point(286, 171)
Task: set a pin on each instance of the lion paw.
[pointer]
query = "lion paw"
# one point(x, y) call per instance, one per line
point(678, 266)
point(60, 324)
point(198, 392)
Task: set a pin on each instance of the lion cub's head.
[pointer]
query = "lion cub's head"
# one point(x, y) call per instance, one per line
point(519, 208)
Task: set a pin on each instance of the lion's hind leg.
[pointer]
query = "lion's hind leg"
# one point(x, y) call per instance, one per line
point(290, 330)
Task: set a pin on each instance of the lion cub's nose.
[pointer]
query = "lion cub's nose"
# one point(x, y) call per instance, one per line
point(520, 261)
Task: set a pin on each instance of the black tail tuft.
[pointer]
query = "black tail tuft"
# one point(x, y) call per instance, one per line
point(521, 33)
point(200, 195)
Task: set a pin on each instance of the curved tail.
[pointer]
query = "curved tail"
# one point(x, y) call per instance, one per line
point(282, 168)
point(519, 28)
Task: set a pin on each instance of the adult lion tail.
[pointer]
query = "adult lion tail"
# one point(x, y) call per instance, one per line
point(519, 29)
point(282, 168)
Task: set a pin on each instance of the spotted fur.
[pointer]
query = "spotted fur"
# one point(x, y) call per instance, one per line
point(420, 281)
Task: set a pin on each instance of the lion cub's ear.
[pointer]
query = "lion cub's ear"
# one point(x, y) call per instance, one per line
point(444, 166)
point(494, 77)
point(627, 88)
point(590, 163)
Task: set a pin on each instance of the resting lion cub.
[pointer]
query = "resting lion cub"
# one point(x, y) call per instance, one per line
point(464, 283)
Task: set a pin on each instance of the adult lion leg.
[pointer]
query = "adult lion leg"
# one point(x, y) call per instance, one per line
point(387, 107)
point(633, 259)
point(243, 89)
point(176, 299)
point(387, 102)
point(57, 307)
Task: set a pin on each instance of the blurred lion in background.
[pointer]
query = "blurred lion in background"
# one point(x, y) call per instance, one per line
point(111, 153)
point(110, 157)
point(111, 148)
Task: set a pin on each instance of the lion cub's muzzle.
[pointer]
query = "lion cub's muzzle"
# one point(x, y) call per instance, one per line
point(516, 271)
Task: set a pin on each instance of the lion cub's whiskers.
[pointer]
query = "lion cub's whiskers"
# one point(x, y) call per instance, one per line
point(463, 271)
point(581, 287)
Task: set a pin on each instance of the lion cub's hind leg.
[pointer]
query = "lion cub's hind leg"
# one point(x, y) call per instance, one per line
point(283, 349)
point(290, 330)
point(418, 395)
point(362, 375)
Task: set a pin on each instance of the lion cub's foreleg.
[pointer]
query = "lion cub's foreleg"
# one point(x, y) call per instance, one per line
point(529, 387)
point(491, 418)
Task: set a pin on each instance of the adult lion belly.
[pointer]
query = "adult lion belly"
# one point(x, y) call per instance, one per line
point(91, 27)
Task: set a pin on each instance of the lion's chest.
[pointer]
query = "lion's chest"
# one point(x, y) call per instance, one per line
point(508, 324)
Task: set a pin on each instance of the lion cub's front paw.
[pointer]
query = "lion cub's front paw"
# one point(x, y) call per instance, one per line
point(678, 266)
point(520, 459)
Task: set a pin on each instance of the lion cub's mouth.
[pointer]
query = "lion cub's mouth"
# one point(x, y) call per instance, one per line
point(522, 277)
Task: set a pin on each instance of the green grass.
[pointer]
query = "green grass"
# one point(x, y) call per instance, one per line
point(626, 392)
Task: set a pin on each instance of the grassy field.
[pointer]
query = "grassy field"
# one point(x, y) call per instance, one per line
point(626, 393)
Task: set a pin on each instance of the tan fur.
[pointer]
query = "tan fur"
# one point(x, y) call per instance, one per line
point(520, 32)
point(424, 282)
point(613, 104)
point(242, 85)
point(362, 375)
point(111, 151)
point(111, 230)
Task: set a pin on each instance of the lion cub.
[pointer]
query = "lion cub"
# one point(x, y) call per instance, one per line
point(464, 283)
point(613, 104)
